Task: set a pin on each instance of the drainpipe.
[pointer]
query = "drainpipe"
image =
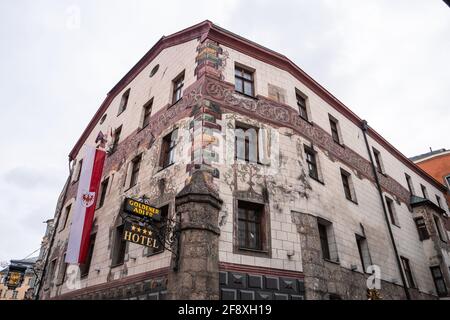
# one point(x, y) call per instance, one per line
point(364, 128)
point(58, 210)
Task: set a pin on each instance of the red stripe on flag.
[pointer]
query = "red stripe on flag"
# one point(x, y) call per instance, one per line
point(97, 171)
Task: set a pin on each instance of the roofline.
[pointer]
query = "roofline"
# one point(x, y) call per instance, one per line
point(429, 157)
point(207, 29)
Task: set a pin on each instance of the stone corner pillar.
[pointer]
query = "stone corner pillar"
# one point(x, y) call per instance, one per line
point(197, 208)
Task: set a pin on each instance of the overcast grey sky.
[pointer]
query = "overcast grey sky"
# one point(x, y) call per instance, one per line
point(386, 60)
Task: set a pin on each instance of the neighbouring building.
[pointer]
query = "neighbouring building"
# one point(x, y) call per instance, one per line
point(437, 164)
point(277, 190)
point(25, 290)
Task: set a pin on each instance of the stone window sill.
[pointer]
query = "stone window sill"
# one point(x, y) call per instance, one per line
point(317, 179)
point(252, 252)
point(332, 261)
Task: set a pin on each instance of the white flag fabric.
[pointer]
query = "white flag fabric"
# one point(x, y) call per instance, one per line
point(83, 215)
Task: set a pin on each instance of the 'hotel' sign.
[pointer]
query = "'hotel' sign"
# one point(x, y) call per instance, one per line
point(140, 235)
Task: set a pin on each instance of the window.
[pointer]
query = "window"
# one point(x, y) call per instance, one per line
point(312, 163)
point(250, 230)
point(116, 139)
point(103, 188)
point(378, 161)
point(65, 218)
point(392, 212)
point(168, 149)
point(178, 83)
point(447, 179)
point(159, 226)
point(422, 229)
point(62, 271)
point(147, 113)
point(136, 165)
point(438, 200)
point(301, 103)
point(154, 70)
point(119, 247)
point(15, 293)
point(327, 240)
point(439, 281)
point(424, 191)
point(51, 272)
point(124, 102)
point(324, 241)
point(410, 184)
point(348, 186)
point(246, 143)
point(334, 125)
point(79, 167)
point(439, 228)
point(364, 254)
point(84, 268)
point(244, 82)
point(408, 272)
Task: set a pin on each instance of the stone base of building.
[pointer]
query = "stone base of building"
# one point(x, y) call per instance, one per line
point(241, 282)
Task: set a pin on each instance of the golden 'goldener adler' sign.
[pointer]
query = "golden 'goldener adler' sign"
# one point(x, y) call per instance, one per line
point(141, 209)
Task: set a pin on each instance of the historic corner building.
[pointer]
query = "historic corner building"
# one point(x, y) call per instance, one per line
point(309, 205)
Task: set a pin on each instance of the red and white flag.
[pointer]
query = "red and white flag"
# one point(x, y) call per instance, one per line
point(83, 215)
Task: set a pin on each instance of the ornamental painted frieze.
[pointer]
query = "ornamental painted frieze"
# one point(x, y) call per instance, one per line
point(279, 115)
point(263, 110)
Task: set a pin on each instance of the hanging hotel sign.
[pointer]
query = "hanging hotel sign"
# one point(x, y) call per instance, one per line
point(142, 210)
point(15, 276)
point(141, 235)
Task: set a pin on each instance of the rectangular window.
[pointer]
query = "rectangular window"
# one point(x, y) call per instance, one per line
point(301, 104)
point(408, 272)
point(62, 271)
point(104, 189)
point(161, 226)
point(124, 101)
point(424, 191)
point(65, 218)
point(334, 125)
point(439, 228)
point(51, 273)
point(392, 212)
point(136, 165)
point(348, 186)
point(15, 293)
point(364, 254)
point(447, 179)
point(84, 268)
point(147, 113)
point(119, 247)
point(250, 229)
point(422, 229)
point(79, 167)
point(323, 235)
point(178, 84)
point(438, 200)
point(246, 143)
point(410, 184)
point(378, 161)
point(312, 163)
point(116, 139)
point(439, 281)
point(168, 149)
point(244, 82)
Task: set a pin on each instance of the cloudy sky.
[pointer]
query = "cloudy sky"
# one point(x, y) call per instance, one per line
point(386, 60)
